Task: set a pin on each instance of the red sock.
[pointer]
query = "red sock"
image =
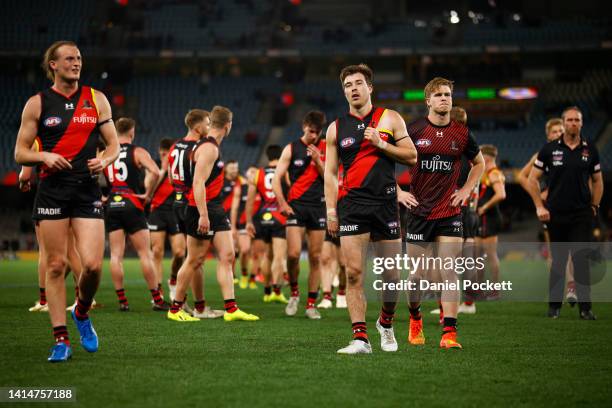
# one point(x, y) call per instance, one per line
point(176, 306)
point(60, 334)
point(251, 278)
point(312, 298)
point(244, 272)
point(81, 309)
point(156, 296)
point(341, 292)
point(386, 318)
point(327, 295)
point(173, 281)
point(121, 296)
point(200, 305)
point(469, 302)
point(230, 305)
point(360, 332)
point(42, 296)
point(276, 289)
point(295, 292)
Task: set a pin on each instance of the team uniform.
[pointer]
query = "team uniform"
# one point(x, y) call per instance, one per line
point(124, 210)
point(305, 194)
point(490, 221)
point(244, 192)
point(68, 126)
point(227, 195)
point(162, 217)
point(179, 166)
point(214, 184)
point(269, 222)
point(469, 207)
point(367, 198)
point(434, 178)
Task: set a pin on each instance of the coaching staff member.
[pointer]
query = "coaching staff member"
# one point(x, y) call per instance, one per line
point(570, 163)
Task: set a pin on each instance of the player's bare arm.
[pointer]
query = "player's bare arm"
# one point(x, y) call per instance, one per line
point(523, 175)
point(143, 160)
point(499, 192)
point(474, 176)
point(597, 188)
point(251, 193)
point(109, 135)
point(205, 157)
point(404, 151)
point(315, 153)
point(26, 136)
point(533, 188)
point(331, 179)
point(235, 203)
point(406, 198)
point(279, 175)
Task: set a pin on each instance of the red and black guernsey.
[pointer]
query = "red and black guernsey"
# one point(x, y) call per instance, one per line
point(68, 126)
point(163, 197)
point(123, 175)
point(179, 167)
point(214, 183)
point(368, 174)
point(439, 152)
point(269, 203)
point(244, 192)
point(227, 194)
point(306, 182)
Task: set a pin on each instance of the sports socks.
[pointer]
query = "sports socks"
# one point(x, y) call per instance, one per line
point(312, 298)
point(360, 332)
point(450, 325)
point(415, 313)
point(200, 305)
point(176, 306)
point(295, 292)
point(386, 317)
point(82, 309)
point(42, 296)
point(230, 305)
point(276, 289)
point(121, 296)
point(156, 295)
point(60, 334)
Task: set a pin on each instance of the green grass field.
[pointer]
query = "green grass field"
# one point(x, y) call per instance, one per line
point(513, 355)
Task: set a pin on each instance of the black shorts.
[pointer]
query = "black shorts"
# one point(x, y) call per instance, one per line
point(380, 220)
point(163, 220)
point(179, 209)
point(129, 218)
point(310, 216)
point(56, 200)
point(267, 227)
point(216, 216)
point(329, 238)
point(422, 230)
point(490, 224)
point(470, 223)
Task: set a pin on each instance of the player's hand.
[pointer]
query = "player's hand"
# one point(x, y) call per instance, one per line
point(55, 161)
point(250, 228)
point(234, 234)
point(372, 135)
point(543, 214)
point(203, 225)
point(459, 197)
point(332, 222)
point(24, 182)
point(144, 198)
point(286, 209)
point(407, 199)
point(480, 211)
point(315, 153)
point(95, 165)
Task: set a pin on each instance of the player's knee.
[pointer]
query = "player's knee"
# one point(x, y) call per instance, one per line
point(227, 256)
point(92, 266)
point(353, 276)
point(56, 267)
point(158, 251)
point(293, 256)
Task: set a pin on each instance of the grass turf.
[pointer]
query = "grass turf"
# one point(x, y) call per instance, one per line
point(513, 355)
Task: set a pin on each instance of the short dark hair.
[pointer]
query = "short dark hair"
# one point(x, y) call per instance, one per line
point(124, 125)
point(273, 152)
point(231, 162)
point(570, 108)
point(314, 118)
point(51, 55)
point(357, 69)
point(166, 143)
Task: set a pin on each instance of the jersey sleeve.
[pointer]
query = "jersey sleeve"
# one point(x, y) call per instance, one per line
point(471, 148)
point(541, 162)
point(595, 164)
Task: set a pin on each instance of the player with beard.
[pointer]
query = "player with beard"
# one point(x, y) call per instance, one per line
point(366, 141)
point(440, 142)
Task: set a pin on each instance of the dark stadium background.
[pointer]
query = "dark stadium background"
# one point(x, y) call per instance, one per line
point(271, 61)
